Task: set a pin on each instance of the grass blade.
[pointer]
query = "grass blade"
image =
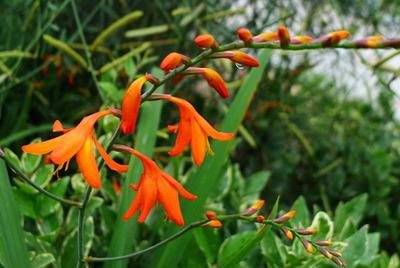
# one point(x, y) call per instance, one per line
point(12, 242)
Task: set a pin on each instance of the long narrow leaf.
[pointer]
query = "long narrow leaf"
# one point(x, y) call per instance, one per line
point(12, 242)
point(204, 179)
point(125, 232)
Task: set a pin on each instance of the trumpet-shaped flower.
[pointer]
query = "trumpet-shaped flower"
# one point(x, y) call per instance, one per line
point(155, 185)
point(193, 129)
point(214, 80)
point(131, 104)
point(77, 142)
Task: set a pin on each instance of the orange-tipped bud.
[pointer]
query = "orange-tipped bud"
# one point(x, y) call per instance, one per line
point(211, 215)
point(285, 217)
point(332, 38)
point(205, 41)
point(213, 224)
point(260, 219)
point(307, 231)
point(368, 42)
point(335, 252)
point(300, 39)
point(325, 252)
point(131, 104)
point(323, 242)
point(238, 57)
point(213, 78)
point(287, 232)
point(254, 208)
point(307, 245)
point(266, 37)
point(245, 35)
point(284, 36)
point(173, 60)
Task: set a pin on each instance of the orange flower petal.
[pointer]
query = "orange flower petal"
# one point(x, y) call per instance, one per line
point(171, 61)
point(180, 188)
point(216, 82)
point(182, 139)
point(198, 144)
point(221, 136)
point(135, 205)
point(87, 164)
point(131, 104)
point(41, 147)
point(149, 196)
point(109, 161)
point(168, 197)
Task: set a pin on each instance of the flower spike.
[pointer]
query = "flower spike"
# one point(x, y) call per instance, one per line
point(77, 142)
point(155, 185)
point(131, 104)
point(193, 129)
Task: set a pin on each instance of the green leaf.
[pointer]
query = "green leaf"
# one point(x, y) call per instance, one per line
point(12, 242)
point(362, 247)
point(353, 209)
point(30, 161)
point(256, 182)
point(302, 218)
point(273, 251)
point(25, 203)
point(13, 158)
point(323, 223)
point(229, 253)
point(43, 260)
point(209, 241)
point(203, 180)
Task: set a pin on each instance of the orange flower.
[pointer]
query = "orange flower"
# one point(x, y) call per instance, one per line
point(193, 129)
point(213, 78)
point(77, 141)
point(131, 104)
point(155, 185)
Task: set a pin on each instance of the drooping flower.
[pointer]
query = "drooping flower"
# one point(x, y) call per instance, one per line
point(131, 104)
point(77, 142)
point(155, 185)
point(213, 78)
point(193, 129)
point(238, 57)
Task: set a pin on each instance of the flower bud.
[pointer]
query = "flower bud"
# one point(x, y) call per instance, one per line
point(152, 79)
point(213, 224)
point(300, 39)
point(253, 209)
point(307, 245)
point(284, 36)
point(285, 217)
point(332, 38)
point(307, 231)
point(335, 252)
point(265, 37)
point(323, 242)
point(211, 215)
point(245, 35)
point(174, 60)
point(325, 252)
point(337, 261)
point(205, 41)
point(260, 219)
point(287, 232)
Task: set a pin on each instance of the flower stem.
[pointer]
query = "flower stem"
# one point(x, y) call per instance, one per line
point(81, 225)
point(37, 187)
point(186, 229)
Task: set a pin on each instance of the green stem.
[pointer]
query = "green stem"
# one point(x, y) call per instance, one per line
point(81, 225)
point(34, 185)
point(186, 229)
